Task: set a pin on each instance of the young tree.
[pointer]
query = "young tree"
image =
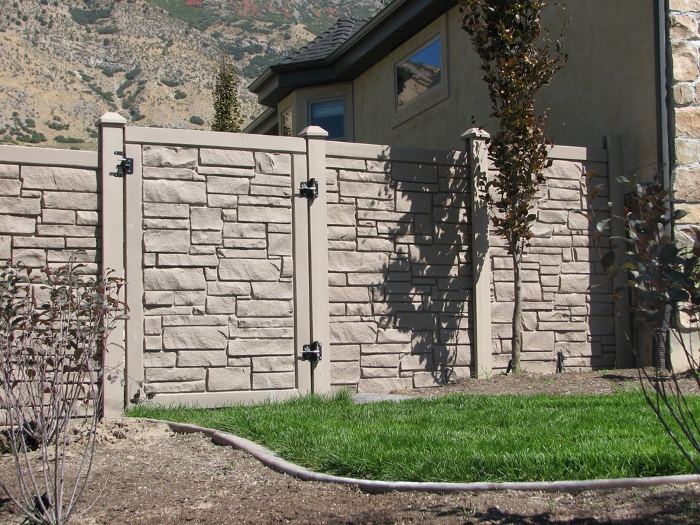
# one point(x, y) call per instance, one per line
point(227, 109)
point(517, 62)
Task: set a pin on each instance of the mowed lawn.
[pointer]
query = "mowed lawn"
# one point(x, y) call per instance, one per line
point(456, 438)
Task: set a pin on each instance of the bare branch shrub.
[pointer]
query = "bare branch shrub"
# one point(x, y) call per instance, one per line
point(53, 329)
point(663, 275)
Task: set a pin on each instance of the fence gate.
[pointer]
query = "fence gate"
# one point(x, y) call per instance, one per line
point(223, 306)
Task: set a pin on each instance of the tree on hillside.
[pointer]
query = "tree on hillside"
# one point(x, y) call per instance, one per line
point(517, 62)
point(227, 109)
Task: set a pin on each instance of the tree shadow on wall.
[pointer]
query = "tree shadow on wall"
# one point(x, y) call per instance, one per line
point(423, 303)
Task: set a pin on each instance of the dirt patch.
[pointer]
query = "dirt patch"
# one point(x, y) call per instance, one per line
point(158, 476)
point(568, 383)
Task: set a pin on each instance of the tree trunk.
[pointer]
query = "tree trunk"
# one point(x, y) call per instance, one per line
point(517, 309)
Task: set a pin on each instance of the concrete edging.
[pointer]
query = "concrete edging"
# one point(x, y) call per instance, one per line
point(270, 459)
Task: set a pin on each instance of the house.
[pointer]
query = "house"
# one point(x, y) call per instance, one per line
point(410, 77)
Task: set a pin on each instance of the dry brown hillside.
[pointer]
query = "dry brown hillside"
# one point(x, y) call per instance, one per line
point(63, 63)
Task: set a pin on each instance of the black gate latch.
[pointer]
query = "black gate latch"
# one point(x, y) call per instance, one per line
point(125, 166)
point(309, 189)
point(311, 352)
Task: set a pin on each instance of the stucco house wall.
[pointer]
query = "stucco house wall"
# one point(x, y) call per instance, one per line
point(607, 86)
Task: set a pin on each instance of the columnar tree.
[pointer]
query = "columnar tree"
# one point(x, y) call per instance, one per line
point(227, 109)
point(517, 61)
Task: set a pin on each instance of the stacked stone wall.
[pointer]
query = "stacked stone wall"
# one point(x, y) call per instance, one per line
point(399, 273)
point(218, 312)
point(685, 71)
point(48, 213)
point(567, 306)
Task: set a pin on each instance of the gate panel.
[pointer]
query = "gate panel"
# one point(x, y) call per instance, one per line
point(215, 254)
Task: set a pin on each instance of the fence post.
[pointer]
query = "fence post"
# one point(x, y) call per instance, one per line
point(133, 212)
point(318, 255)
point(624, 358)
point(475, 141)
point(111, 149)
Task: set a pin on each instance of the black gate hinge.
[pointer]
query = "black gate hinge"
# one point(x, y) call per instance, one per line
point(312, 352)
point(309, 189)
point(125, 166)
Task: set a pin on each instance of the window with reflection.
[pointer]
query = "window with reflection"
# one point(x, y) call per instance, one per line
point(419, 73)
point(330, 115)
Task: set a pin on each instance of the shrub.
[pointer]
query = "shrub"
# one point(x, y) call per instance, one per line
point(53, 329)
point(170, 82)
point(68, 140)
point(179, 94)
point(198, 121)
point(131, 75)
point(108, 30)
point(88, 16)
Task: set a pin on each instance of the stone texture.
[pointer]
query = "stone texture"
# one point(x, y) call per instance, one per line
point(271, 290)
point(159, 359)
point(683, 27)
point(684, 5)
point(206, 219)
point(274, 381)
point(169, 157)
point(687, 151)
point(59, 179)
point(686, 184)
point(174, 279)
point(20, 206)
point(202, 359)
point(254, 308)
point(175, 374)
point(226, 157)
point(683, 94)
point(688, 122)
point(10, 188)
point(17, 225)
point(382, 386)
point(9, 171)
point(264, 214)
point(175, 191)
point(357, 262)
point(349, 333)
point(261, 347)
point(282, 363)
point(223, 379)
point(249, 270)
point(221, 305)
point(195, 338)
point(273, 163)
point(166, 241)
point(169, 173)
point(345, 373)
point(5, 247)
point(228, 185)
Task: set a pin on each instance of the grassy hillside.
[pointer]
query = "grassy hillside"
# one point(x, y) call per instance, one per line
point(63, 63)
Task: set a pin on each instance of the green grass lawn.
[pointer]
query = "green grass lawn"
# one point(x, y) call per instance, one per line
point(457, 438)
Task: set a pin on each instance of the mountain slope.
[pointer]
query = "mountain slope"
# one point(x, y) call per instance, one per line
point(65, 63)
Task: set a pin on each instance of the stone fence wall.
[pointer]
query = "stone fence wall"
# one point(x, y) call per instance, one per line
point(49, 207)
point(231, 271)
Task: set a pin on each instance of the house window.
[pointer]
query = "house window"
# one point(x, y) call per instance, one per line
point(330, 115)
point(419, 73)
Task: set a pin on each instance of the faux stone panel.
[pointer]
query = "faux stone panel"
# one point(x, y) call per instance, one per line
point(166, 156)
point(175, 191)
point(223, 379)
point(174, 279)
point(249, 270)
point(58, 179)
point(195, 338)
point(274, 381)
point(226, 157)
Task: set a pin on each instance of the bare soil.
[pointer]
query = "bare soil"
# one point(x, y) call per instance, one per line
point(157, 476)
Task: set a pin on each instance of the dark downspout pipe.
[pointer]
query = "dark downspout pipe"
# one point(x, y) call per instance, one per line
point(665, 134)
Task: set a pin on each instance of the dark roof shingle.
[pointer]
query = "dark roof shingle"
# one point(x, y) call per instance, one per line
point(328, 41)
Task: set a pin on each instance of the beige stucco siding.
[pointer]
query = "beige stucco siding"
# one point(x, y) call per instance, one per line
point(607, 86)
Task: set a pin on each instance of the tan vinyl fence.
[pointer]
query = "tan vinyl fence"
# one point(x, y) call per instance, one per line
point(232, 269)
